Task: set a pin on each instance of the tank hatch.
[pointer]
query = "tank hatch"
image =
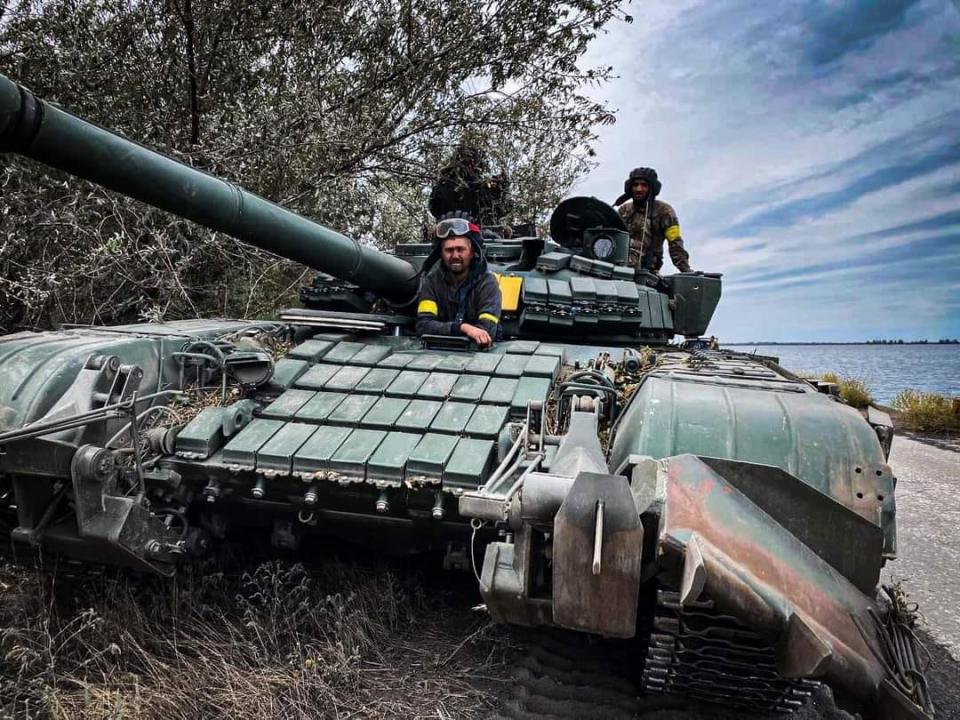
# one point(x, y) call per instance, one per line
point(590, 228)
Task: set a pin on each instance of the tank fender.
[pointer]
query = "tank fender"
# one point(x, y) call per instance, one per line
point(715, 544)
point(808, 435)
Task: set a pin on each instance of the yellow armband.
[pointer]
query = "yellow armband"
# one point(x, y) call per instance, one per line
point(427, 307)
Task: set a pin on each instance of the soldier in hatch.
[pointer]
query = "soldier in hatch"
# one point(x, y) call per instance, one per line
point(458, 295)
point(465, 186)
point(650, 222)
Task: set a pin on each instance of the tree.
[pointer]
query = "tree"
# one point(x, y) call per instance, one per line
point(341, 110)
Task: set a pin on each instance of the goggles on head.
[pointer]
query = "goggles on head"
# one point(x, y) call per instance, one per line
point(454, 227)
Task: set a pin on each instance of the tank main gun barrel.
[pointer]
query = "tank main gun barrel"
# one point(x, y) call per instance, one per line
point(43, 132)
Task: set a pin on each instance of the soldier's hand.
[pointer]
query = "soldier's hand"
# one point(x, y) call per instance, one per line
point(480, 336)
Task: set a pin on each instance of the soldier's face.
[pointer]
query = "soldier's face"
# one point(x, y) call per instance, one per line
point(457, 254)
point(640, 189)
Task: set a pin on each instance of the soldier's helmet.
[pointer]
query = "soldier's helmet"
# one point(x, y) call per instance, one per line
point(643, 173)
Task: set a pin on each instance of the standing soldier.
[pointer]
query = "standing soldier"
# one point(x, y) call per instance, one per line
point(650, 222)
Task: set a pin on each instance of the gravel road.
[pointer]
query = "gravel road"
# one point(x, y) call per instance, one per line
point(928, 533)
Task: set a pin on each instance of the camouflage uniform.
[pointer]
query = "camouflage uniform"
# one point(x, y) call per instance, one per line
point(466, 188)
point(646, 244)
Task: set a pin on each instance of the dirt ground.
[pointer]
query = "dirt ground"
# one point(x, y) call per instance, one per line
point(343, 637)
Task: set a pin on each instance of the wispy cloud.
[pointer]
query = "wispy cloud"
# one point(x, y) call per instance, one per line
point(811, 151)
point(934, 222)
point(837, 29)
point(896, 170)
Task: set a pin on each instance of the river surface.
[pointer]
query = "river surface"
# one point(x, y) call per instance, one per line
point(887, 369)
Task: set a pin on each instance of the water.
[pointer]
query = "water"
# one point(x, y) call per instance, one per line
point(887, 369)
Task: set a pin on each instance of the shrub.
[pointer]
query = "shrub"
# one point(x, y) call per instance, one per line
point(272, 641)
point(854, 390)
point(349, 144)
point(926, 412)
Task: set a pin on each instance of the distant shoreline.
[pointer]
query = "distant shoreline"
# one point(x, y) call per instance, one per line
point(851, 342)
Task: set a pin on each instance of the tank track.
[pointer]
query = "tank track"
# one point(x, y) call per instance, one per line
point(696, 651)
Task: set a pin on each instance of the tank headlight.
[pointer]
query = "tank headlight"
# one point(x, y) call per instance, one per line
point(603, 247)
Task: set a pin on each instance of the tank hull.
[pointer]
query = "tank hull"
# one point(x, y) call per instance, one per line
point(711, 466)
point(729, 515)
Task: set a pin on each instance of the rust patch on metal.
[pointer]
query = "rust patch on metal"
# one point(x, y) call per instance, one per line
point(757, 571)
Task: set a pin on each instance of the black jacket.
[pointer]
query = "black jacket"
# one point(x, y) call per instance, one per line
point(444, 304)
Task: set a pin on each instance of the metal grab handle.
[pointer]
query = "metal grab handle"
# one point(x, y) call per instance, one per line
point(598, 538)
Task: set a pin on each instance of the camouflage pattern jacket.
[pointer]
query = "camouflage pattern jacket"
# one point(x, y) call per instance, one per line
point(646, 244)
point(444, 305)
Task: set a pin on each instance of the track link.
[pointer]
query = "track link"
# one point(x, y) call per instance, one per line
point(698, 652)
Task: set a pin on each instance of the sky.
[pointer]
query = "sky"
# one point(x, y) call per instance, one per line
point(811, 150)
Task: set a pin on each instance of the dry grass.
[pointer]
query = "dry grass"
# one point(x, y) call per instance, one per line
point(927, 412)
point(854, 390)
point(274, 642)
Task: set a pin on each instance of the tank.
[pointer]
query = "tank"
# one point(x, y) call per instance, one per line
point(602, 469)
